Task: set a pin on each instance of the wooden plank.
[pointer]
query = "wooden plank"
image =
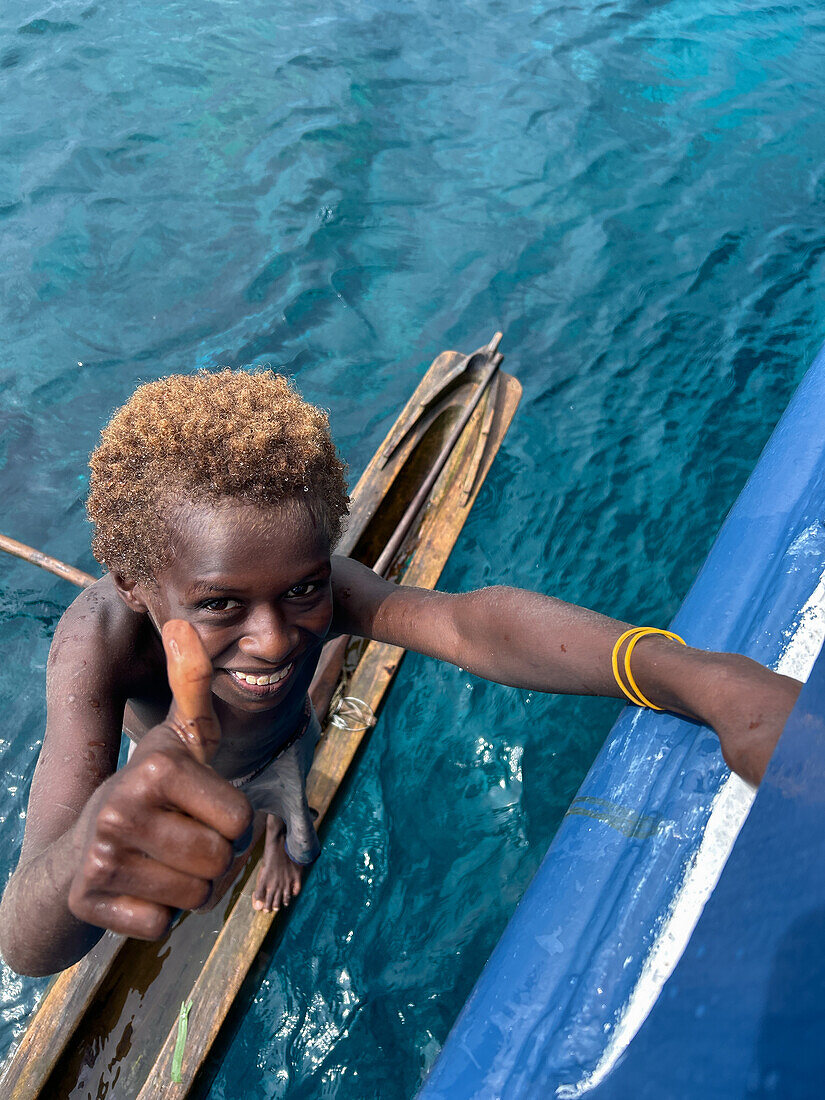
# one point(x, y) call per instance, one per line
point(244, 931)
point(68, 996)
point(483, 440)
point(445, 369)
point(377, 481)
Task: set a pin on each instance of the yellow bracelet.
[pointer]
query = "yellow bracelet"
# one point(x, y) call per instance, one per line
point(632, 636)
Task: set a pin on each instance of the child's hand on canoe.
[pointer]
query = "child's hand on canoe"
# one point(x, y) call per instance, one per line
point(158, 833)
point(747, 705)
point(744, 702)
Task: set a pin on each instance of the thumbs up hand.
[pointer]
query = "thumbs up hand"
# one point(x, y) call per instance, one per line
point(156, 835)
point(189, 669)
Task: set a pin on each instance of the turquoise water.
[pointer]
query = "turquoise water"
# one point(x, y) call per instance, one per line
point(634, 193)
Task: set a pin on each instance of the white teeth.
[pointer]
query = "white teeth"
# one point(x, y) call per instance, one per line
point(263, 681)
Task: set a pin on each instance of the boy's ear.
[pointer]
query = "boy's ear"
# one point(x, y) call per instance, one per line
point(131, 592)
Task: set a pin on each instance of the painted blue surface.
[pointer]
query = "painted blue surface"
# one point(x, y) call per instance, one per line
point(743, 1014)
point(550, 994)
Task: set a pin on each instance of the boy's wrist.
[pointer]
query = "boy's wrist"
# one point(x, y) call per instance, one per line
point(675, 677)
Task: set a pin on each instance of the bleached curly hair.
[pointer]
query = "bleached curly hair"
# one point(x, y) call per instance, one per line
point(244, 435)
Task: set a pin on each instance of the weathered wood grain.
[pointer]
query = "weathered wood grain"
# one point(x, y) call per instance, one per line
point(47, 562)
point(68, 996)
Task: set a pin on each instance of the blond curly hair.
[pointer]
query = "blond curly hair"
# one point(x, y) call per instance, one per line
point(246, 435)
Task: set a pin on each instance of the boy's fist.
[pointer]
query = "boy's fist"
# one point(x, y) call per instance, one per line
point(157, 834)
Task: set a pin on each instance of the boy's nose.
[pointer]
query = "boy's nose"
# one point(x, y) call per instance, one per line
point(268, 637)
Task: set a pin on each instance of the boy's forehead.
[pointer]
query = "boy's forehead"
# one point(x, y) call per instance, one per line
point(213, 537)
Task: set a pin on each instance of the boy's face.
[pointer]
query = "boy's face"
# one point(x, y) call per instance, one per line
point(255, 584)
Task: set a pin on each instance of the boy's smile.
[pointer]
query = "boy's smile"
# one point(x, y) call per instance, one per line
point(255, 584)
point(261, 684)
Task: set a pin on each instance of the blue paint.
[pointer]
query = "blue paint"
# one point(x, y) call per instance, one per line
point(743, 1013)
point(548, 999)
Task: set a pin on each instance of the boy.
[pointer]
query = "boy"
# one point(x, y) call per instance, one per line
point(217, 500)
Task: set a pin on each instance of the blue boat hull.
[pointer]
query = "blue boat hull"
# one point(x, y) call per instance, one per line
point(571, 979)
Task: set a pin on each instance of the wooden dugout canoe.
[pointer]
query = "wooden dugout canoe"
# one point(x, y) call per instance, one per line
point(108, 1025)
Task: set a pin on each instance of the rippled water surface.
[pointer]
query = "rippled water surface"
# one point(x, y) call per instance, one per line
point(633, 192)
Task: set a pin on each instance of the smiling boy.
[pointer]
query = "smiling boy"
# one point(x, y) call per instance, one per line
point(217, 500)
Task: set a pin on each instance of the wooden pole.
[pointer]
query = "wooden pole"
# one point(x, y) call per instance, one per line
point(45, 561)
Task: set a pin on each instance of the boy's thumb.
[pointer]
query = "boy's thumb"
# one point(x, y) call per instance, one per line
point(189, 669)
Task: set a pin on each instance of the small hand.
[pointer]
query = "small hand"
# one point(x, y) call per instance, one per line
point(747, 705)
point(157, 834)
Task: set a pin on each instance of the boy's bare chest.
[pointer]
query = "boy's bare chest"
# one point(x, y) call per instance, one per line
point(246, 740)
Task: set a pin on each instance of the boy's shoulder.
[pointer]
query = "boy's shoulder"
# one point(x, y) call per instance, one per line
point(98, 633)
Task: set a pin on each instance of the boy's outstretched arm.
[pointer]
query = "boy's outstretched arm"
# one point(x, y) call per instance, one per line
point(539, 643)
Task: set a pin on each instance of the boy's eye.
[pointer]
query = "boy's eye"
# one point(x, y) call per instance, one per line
point(220, 603)
point(307, 588)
